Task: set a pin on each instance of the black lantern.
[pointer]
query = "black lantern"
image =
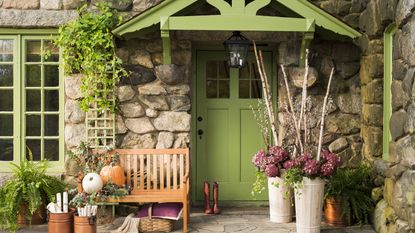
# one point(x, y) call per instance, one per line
point(237, 47)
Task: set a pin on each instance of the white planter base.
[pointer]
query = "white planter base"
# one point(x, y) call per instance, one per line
point(309, 206)
point(280, 204)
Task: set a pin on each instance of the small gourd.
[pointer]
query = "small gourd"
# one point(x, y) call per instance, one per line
point(114, 174)
point(92, 183)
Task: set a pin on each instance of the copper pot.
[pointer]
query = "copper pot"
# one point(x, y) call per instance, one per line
point(38, 218)
point(333, 213)
point(85, 224)
point(61, 222)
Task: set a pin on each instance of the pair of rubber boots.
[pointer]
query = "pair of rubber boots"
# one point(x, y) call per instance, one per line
point(208, 208)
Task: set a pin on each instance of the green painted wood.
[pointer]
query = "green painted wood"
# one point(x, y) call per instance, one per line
point(323, 19)
point(239, 22)
point(305, 44)
point(231, 135)
point(253, 7)
point(152, 16)
point(387, 85)
point(223, 7)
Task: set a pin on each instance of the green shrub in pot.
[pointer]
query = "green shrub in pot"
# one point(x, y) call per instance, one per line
point(27, 191)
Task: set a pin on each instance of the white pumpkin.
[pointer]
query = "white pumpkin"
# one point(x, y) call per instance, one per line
point(92, 183)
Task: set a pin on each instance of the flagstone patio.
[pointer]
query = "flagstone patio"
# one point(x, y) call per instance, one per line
point(231, 220)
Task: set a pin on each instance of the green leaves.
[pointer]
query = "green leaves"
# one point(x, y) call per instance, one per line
point(29, 187)
point(259, 185)
point(88, 48)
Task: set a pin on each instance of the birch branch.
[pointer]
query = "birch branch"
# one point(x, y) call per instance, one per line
point(323, 115)
point(304, 97)
point(297, 130)
point(266, 97)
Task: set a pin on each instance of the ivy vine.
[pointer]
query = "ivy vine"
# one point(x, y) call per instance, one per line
point(88, 47)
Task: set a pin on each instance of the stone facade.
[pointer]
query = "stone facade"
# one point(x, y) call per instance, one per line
point(155, 100)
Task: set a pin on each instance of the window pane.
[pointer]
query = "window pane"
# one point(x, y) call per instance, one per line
point(51, 125)
point(33, 125)
point(223, 70)
point(6, 149)
point(223, 89)
point(52, 150)
point(33, 100)
point(51, 76)
point(33, 51)
point(6, 50)
point(256, 89)
point(211, 70)
point(6, 103)
point(211, 89)
point(244, 89)
point(244, 72)
point(6, 125)
point(34, 146)
point(33, 75)
point(51, 100)
point(6, 75)
point(52, 50)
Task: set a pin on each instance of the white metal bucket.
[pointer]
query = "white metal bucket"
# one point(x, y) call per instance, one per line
point(309, 205)
point(280, 204)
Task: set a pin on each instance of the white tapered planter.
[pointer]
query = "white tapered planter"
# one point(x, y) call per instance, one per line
point(309, 205)
point(280, 206)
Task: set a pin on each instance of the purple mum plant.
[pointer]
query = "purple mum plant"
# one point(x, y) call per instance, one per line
point(270, 162)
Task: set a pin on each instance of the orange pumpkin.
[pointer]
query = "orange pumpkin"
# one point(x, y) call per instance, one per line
point(115, 174)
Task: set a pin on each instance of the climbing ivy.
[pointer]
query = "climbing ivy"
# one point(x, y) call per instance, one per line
point(88, 47)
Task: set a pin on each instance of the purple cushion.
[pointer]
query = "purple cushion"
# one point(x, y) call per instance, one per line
point(162, 210)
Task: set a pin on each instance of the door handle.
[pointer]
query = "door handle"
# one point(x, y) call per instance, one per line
point(200, 133)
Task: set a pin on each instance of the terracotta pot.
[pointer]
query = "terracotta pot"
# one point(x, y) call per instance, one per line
point(39, 217)
point(85, 224)
point(333, 213)
point(61, 222)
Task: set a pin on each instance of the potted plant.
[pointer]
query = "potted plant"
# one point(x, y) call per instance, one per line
point(23, 197)
point(269, 162)
point(347, 196)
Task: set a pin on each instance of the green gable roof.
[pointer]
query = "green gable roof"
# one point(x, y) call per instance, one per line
point(235, 12)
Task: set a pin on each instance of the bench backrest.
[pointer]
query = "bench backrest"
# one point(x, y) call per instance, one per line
point(155, 170)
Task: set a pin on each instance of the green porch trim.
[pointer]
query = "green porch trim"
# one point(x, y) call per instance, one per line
point(387, 84)
point(305, 44)
point(23, 31)
point(323, 19)
point(152, 16)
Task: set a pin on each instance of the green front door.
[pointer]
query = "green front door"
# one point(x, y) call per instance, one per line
point(227, 134)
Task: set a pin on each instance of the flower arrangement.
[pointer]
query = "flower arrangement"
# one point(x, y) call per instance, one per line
point(306, 166)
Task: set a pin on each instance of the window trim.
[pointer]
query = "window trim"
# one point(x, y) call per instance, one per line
point(387, 85)
point(19, 35)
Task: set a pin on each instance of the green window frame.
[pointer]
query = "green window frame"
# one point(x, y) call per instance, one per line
point(38, 98)
point(387, 85)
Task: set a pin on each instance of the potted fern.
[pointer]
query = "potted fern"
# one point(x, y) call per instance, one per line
point(23, 197)
point(347, 196)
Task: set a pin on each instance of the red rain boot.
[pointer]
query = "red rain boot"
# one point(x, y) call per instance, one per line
point(208, 209)
point(216, 198)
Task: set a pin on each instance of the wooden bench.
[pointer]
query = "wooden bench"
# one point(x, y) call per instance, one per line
point(156, 176)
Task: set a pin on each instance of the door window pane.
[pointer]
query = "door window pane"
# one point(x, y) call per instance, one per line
point(33, 125)
point(250, 86)
point(33, 51)
point(6, 97)
point(217, 79)
point(52, 150)
point(6, 75)
point(32, 100)
point(51, 100)
point(6, 125)
point(256, 89)
point(211, 89)
point(6, 149)
point(52, 50)
point(244, 89)
point(51, 125)
point(34, 146)
point(33, 76)
point(51, 76)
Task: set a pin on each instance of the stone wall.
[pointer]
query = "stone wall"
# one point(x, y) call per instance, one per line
point(395, 209)
point(342, 132)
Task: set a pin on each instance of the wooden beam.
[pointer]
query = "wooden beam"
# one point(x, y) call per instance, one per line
point(239, 23)
point(253, 7)
point(305, 44)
